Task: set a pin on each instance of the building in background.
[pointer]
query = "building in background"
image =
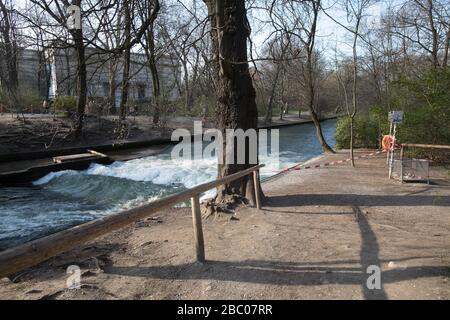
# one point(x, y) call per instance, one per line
point(104, 73)
point(53, 73)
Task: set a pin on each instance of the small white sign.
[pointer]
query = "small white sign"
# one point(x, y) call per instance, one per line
point(396, 117)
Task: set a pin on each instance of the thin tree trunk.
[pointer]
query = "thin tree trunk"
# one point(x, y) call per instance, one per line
point(434, 34)
point(10, 49)
point(309, 46)
point(81, 81)
point(312, 94)
point(112, 88)
point(126, 62)
point(269, 113)
point(446, 49)
point(355, 79)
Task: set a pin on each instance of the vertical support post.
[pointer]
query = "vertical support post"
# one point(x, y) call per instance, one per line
point(198, 229)
point(257, 191)
point(391, 162)
point(401, 163)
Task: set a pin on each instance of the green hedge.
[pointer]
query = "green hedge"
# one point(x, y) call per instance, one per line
point(365, 132)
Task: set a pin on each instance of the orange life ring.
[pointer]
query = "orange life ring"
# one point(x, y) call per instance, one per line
point(387, 143)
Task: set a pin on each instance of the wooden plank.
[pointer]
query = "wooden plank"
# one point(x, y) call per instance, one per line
point(75, 157)
point(98, 153)
point(426, 146)
point(27, 255)
point(198, 229)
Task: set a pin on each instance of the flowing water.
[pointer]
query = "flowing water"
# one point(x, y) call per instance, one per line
point(67, 198)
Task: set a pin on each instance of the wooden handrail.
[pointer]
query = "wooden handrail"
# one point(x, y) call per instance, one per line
point(427, 146)
point(29, 254)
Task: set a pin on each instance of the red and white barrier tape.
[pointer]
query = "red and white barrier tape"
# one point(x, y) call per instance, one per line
point(328, 164)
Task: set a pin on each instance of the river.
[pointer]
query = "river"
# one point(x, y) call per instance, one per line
point(64, 199)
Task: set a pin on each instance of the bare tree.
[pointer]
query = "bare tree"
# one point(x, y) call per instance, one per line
point(300, 19)
point(149, 10)
point(278, 52)
point(355, 11)
point(9, 47)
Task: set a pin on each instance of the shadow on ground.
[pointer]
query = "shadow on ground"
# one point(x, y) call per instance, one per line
point(357, 200)
point(311, 273)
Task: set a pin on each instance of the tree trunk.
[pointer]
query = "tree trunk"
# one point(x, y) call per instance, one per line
point(309, 46)
point(236, 106)
point(269, 113)
point(112, 85)
point(156, 86)
point(126, 62)
point(81, 81)
point(10, 49)
point(446, 48)
point(311, 103)
point(434, 35)
point(326, 148)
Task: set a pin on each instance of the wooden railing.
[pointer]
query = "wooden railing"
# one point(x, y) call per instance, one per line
point(425, 146)
point(30, 254)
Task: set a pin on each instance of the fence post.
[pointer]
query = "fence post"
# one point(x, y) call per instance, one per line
point(257, 191)
point(401, 163)
point(198, 229)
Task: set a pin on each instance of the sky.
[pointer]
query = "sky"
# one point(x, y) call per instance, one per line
point(330, 35)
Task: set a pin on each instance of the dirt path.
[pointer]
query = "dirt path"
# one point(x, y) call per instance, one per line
point(314, 240)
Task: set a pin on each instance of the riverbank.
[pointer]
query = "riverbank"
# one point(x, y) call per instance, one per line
point(314, 239)
point(35, 135)
point(29, 165)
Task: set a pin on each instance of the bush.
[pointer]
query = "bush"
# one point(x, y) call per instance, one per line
point(66, 105)
point(365, 131)
point(425, 103)
point(200, 105)
point(24, 100)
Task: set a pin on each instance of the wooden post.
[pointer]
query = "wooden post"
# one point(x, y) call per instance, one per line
point(391, 161)
point(401, 163)
point(198, 229)
point(257, 191)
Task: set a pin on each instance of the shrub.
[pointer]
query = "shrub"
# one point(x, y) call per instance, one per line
point(365, 131)
point(23, 100)
point(425, 103)
point(66, 105)
point(200, 104)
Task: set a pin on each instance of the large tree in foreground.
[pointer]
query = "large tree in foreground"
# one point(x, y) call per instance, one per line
point(236, 106)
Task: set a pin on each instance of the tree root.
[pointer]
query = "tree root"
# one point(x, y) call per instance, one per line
point(224, 208)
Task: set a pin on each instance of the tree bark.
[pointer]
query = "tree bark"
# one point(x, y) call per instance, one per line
point(112, 86)
point(10, 49)
point(309, 47)
point(81, 81)
point(269, 113)
point(236, 106)
point(126, 62)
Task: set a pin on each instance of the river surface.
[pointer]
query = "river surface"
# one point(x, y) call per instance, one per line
point(64, 199)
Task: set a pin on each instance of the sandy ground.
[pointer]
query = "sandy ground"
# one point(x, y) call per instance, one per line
point(314, 239)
